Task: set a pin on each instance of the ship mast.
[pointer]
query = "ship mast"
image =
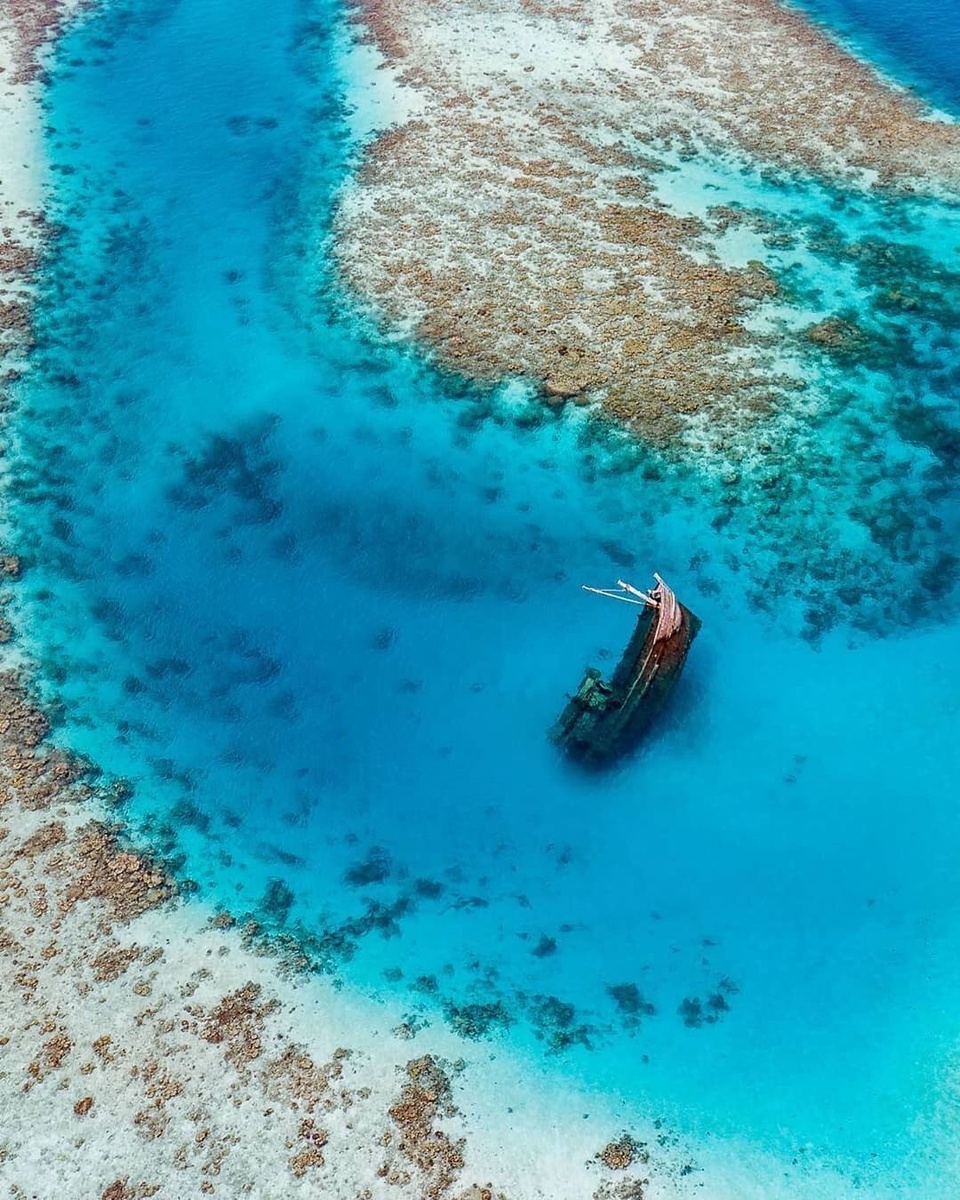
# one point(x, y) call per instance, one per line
point(629, 594)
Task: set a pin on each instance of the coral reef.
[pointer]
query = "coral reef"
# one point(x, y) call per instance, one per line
point(138, 1031)
point(188, 1047)
point(425, 1096)
point(512, 225)
point(37, 23)
point(622, 1153)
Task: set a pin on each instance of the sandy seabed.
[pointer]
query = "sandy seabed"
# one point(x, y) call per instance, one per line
point(150, 1046)
point(147, 1047)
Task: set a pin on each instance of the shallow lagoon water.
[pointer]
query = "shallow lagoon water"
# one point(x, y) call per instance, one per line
point(320, 605)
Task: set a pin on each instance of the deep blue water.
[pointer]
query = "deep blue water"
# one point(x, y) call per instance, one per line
point(917, 40)
point(320, 605)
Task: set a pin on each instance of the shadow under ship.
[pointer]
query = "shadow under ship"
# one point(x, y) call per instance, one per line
point(602, 720)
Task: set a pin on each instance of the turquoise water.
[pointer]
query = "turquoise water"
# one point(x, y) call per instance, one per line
point(320, 605)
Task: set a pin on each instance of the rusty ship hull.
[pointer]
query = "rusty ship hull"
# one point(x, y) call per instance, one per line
point(604, 719)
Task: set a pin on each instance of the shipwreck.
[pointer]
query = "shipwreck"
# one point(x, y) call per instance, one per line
point(603, 719)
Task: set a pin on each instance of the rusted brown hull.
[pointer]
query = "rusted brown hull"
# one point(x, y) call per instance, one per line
point(604, 719)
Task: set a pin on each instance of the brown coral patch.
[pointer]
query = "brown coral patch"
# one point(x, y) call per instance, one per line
point(753, 73)
point(426, 1096)
point(128, 882)
point(22, 726)
point(312, 1155)
point(623, 1153)
point(18, 260)
point(123, 1189)
point(296, 1078)
point(514, 229)
point(110, 964)
point(45, 838)
point(237, 1022)
point(586, 296)
point(835, 334)
point(37, 23)
point(624, 1189)
point(36, 774)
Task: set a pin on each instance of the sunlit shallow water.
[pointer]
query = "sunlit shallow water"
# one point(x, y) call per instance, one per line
point(321, 605)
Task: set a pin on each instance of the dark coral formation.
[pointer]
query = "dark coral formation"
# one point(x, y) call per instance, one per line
point(477, 1020)
point(843, 337)
point(555, 1023)
point(631, 1003)
point(375, 868)
point(696, 1012)
point(239, 467)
